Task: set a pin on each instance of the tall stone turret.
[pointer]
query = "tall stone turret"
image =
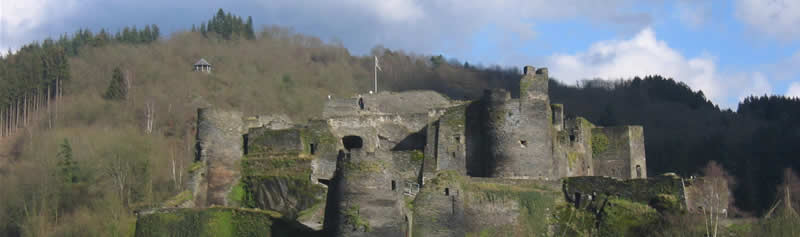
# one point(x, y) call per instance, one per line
point(519, 132)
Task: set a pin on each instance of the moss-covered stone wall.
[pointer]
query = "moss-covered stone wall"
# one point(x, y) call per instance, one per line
point(611, 151)
point(644, 191)
point(619, 151)
point(456, 205)
point(217, 222)
point(265, 141)
point(572, 148)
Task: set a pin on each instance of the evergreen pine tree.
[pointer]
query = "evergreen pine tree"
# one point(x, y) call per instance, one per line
point(251, 34)
point(67, 166)
point(147, 35)
point(117, 90)
point(156, 32)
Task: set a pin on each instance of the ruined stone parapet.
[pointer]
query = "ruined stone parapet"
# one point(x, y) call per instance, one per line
point(219, 148)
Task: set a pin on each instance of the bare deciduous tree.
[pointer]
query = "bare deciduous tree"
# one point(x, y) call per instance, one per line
point(149, 116)
point(715, 196)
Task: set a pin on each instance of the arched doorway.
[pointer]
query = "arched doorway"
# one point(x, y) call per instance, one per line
point(352, 142)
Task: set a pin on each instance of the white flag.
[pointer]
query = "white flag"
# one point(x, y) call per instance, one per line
point(378, 66)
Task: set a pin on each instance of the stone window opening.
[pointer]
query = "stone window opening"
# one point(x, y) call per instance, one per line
point(458, 139)
point(453, 154)
point(361, 103)
point(447, 191)
point(394, 185)
point(638, 171)
point(245, 140)
point(572, 137)
point(523, 143)
point(312, 148)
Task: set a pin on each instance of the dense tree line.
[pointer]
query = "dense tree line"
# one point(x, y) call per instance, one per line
point(227, 26)
point(29, 80)
point(127, 35)
point(33, 76)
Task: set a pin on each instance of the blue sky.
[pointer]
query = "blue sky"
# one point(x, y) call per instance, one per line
point(728, 49)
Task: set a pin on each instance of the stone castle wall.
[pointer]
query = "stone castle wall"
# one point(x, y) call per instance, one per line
point(219, 147)
point(370, 199)
point(619, 151)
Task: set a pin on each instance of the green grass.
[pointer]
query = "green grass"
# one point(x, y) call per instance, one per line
point(211, 222)
point(626, 218)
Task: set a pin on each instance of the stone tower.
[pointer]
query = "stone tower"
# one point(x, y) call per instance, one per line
point(519, 132)
point(368, 197)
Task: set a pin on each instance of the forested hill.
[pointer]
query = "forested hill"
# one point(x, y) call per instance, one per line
point(121, 136)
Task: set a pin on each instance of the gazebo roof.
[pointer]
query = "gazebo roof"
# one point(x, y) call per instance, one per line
point(202, 62)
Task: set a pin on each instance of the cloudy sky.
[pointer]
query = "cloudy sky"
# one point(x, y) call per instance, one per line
point(727, 49)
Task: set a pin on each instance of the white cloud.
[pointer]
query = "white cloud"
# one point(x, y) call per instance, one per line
point(794, 90)
point(18, 18)
point(776, 18)
point(645, 55)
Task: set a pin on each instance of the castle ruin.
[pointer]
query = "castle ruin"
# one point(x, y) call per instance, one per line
point(357, 170)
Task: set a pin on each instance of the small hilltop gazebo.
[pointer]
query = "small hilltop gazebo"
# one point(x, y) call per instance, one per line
point(202, 66)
